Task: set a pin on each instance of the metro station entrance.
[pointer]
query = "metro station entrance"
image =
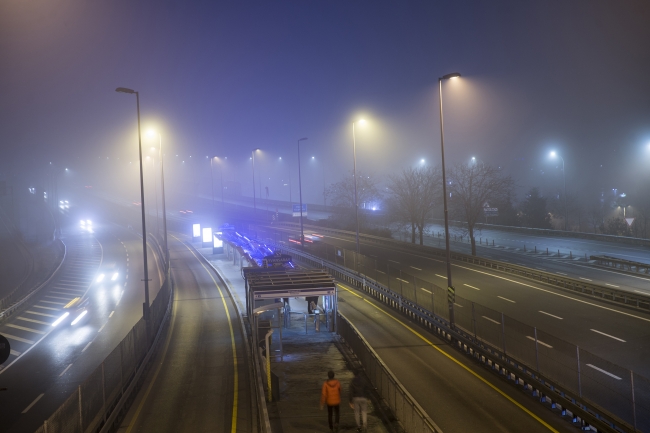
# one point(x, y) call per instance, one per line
point(270, 292)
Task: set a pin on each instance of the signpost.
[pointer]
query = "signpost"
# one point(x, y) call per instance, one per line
point(296, 210)
point(489, 211)
point(276, 259)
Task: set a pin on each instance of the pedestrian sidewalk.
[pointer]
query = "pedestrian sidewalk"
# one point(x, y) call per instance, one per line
point(306, 360)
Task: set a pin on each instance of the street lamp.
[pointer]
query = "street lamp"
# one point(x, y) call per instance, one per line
point(253, 161)
point(145, 310)
point(354, 174)
point(451, 293)
point(302, 234)
point(162, 184)
point(212, 179)
point(566, 212)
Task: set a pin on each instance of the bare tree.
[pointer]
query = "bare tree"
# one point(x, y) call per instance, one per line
point(341, 197)
point(471, 187)
point(413, 197)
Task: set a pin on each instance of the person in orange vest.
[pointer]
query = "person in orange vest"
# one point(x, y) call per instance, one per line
point(331, 395)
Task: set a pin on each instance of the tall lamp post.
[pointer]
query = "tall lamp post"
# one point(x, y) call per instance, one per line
point(253, 161)
point(145, 310)
point(354, 174)
point(451, 293)
point(162, 184)
point(302, 234)
point(566, 211)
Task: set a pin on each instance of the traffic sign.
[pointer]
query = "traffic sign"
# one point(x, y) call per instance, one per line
point(5, 349)
point(277, 258)
point(296, 210)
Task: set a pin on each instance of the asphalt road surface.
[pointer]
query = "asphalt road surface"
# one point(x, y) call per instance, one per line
point(201, 380)
point(47, 362)
point(460, 396)
point(613, 332)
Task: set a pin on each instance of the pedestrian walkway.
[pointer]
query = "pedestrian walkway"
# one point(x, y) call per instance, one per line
point(306, 360)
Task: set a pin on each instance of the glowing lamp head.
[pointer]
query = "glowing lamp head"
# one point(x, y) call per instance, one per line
point(362, 122)
point(553, 154)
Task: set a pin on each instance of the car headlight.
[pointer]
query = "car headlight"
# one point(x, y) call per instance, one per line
point(83, 313)
point(114, 277)
point(100, 278)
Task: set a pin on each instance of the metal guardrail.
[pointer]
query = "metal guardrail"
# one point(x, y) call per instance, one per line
point(567, 283)
point(582, 397)
point(410, 414)
point(103, 397)
point(622, 264)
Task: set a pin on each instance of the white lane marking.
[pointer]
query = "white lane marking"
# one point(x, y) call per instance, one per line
point(66, 369)
point(458, 305)
point(404, 281)
point(111, 315)
point(586, 279)
point(422, 288)
point(556, 294)
point(84, 349)
point(52, 302)
point(35, 331)
point(381, 272)
point(393, 261)
point(612, 285)
point(13, 337)
point(604, 372)
point(58, 297)
point(46, 308)
point(441, 276)
point(118, 301)
point(33, 403)
point(506, 299)
point(640, 291)
point(41, 314)
point(561, 273)
point(607, 335)
point(552, 315)
point(14, 352)
point(413, 267)
point(539, 341)
point(491, 320)
point(26, 319)
point(471, 287)
point(125, 284)
point(100, 329)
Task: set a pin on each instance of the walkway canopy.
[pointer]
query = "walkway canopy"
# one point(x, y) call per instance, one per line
point(264, 284)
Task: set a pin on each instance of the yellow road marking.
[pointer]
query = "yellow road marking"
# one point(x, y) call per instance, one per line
point(233, 427)
point(423, 338)
point(232, 338)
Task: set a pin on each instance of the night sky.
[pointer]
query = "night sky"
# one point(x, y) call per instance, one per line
point(221, 78)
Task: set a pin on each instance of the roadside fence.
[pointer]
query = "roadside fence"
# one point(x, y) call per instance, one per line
point(413, 418)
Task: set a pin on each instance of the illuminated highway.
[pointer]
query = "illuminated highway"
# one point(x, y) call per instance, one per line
point(614, 332)
point(200, 380)
point(48, 362)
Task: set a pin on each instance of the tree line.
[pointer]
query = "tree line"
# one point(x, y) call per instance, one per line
point(412, 199)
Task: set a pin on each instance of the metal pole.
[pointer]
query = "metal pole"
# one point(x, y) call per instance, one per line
point(536, 350)
point(221, 176)
point(566, 210)
point(354, 173)
point(253, 159)
point(164, 208)
point(446, 210)
point(155, 192)
point(633, 399)
point(145, 311)
point(302, 234)
point(579, 380)
point(212, 181)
